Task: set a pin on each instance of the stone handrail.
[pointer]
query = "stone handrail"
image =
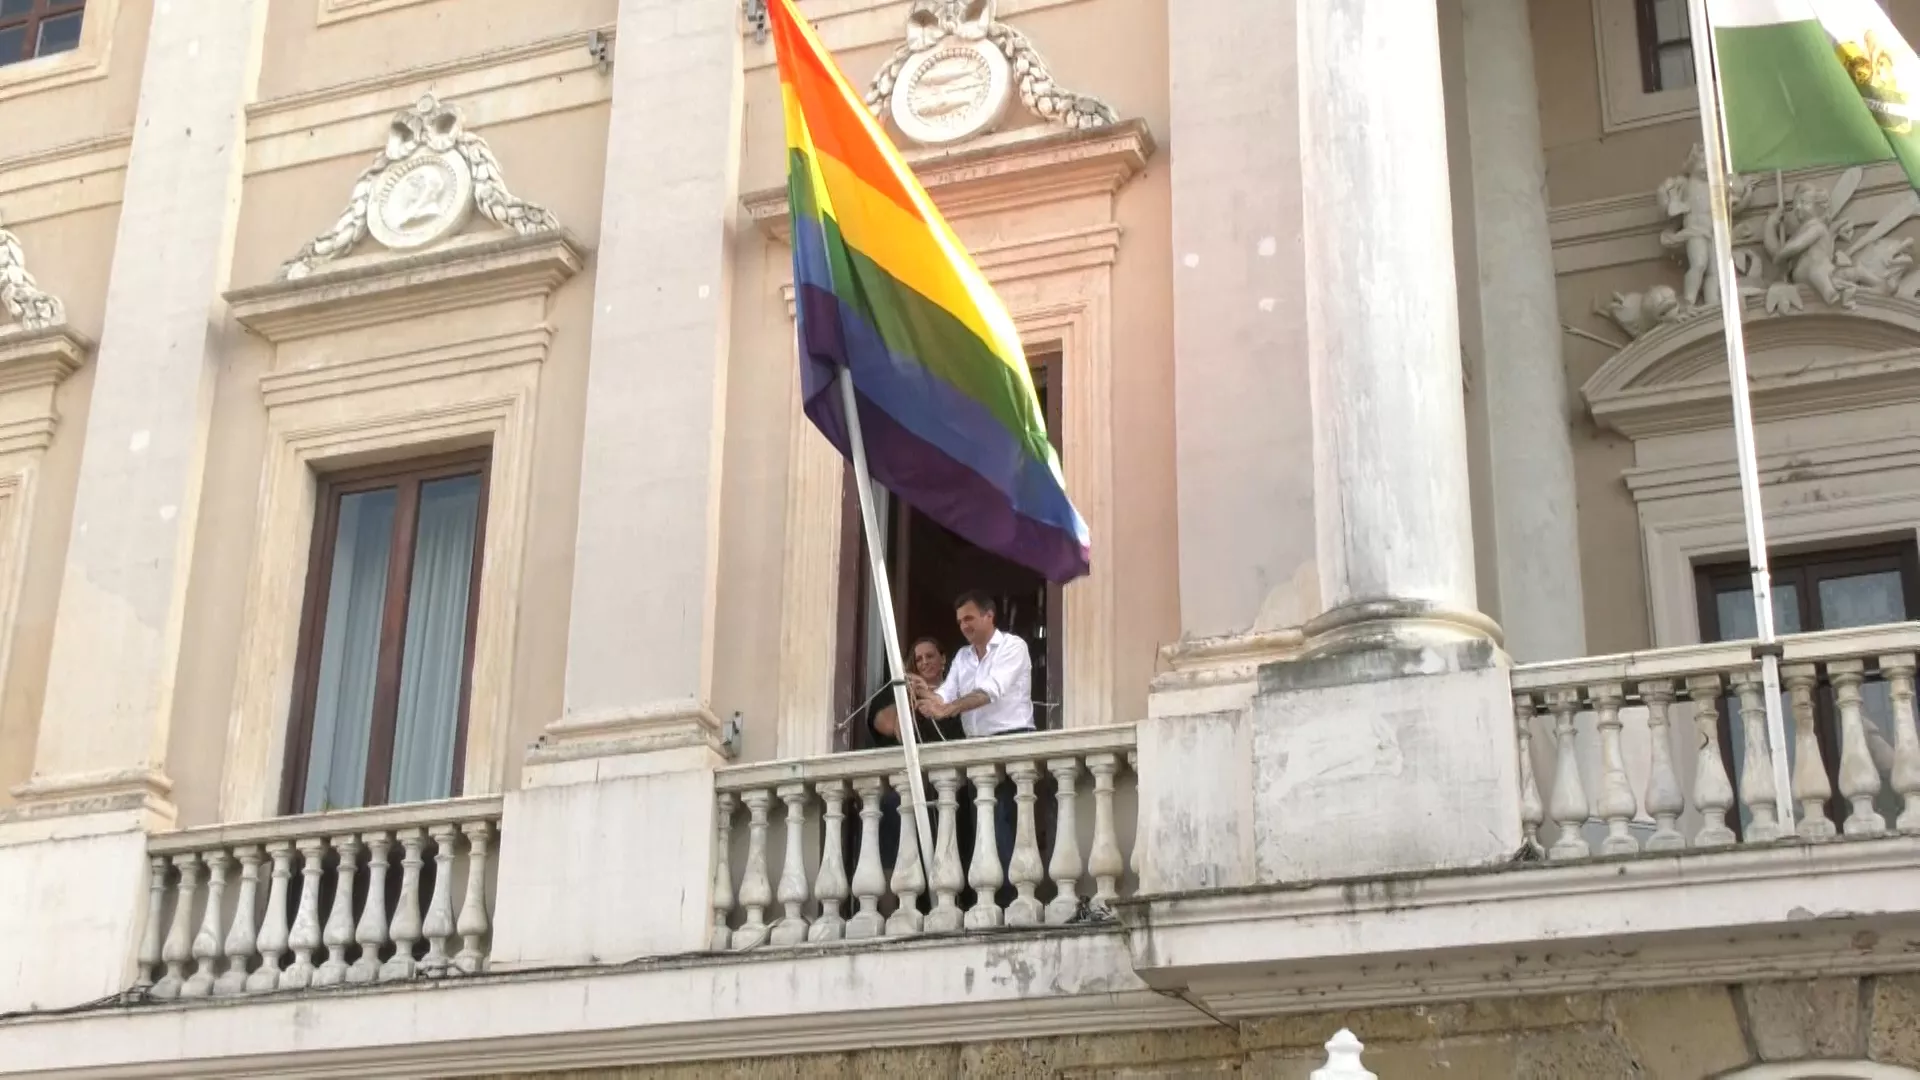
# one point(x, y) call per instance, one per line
point(238, 939)
point(1552, 703)
point(814, 851)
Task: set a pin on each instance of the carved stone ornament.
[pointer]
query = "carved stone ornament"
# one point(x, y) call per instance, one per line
point(958, 71)
point(422, 189)
point(25, 302)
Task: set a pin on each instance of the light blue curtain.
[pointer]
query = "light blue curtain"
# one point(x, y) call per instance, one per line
point(435, 656)
point(350, 652)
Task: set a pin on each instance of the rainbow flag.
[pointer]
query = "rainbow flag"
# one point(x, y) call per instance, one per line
point(884, 290)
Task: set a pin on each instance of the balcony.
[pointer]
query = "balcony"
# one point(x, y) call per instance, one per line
point(1646, 861)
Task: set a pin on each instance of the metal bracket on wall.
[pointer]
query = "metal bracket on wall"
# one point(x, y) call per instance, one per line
point(755, 12)
point(600, 47)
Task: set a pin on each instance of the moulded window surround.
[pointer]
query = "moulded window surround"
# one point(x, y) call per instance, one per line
point(86, 60)
point(1625, 101)
point(333, 11)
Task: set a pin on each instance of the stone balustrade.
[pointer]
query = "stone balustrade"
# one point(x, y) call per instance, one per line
point(352, 897)
point(1667, 750)
point(825, 850)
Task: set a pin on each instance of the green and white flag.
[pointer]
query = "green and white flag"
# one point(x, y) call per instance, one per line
point(1809, 83)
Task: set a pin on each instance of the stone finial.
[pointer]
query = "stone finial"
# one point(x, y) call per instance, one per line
point(1343, 1059)
point(958, 69)
point(421, 189)
point(24, 300)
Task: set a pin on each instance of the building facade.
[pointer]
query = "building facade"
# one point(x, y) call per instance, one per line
point(432, 641)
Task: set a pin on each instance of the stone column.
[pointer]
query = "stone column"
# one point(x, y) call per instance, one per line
point(99, 775)
point(1389, 424)
point(640, 641)
point(1527, 411)
point(638, 742)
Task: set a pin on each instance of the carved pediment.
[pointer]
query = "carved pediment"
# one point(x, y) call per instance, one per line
point(959, 70)
point(1674, 377)
point(421, 191)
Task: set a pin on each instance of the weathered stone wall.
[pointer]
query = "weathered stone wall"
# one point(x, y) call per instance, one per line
point(1686, 1033)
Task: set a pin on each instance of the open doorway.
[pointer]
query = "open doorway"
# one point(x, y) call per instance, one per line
point(928, 567)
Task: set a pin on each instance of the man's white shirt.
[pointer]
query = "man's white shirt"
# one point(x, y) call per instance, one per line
point(1005, 675)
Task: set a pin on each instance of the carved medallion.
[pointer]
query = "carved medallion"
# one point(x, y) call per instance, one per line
point(951, 93)
point(422, 199)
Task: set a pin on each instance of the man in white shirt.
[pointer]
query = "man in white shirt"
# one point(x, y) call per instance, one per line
point(990, 687)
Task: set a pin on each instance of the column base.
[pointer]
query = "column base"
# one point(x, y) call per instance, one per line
point(586, 748)
point(1394, 627)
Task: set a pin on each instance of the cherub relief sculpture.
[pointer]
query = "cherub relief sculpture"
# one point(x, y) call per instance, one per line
point(1688, 197)
point(421, 189)
point(20, 295)
point(1805, 243)
point(957, 81)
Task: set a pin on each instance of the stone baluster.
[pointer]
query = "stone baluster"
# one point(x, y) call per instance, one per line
point(1025, 868)
point(474, 924)
point(406, 927)
point(1104, 861)
point(371, 933)
point(1899, 672)
point(1139, 837)
point(869, 876)
point(1757, 792)
point(792, 927)
point(948, 878)
point(339, 929)
point(179, 947)
point(1859, 776)
point(909, 878)
point(438, 925)
point(1568, 804)
point(1617, 804)
point(983, 871)
point(755, 891)
point(1664, 799)
point(305, 938)
point(149, 956)
point(273, 928)
point(1065, 867)
point(830, 885)
point(240, 934)
point(722, 872)
point(206, 943)
point(1810, 787)
point(1532, 811)
point(1712, 790)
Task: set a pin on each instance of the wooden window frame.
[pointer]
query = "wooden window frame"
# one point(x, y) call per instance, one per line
point(42, 11)
point(1652, 46)
point(1803, 572)
point(407, 476)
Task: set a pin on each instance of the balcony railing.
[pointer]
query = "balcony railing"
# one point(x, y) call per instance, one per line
point(1074, 799)
point(1630, 748)
point(322, 900)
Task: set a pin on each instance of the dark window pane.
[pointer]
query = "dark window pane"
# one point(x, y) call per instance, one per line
point(1862, 600)
point(350, 652)
point(11, 43)
point(435, 653)
point(11, 8)
point(1735, 608)
point(60, 35)
point(65, 3)
point(1670, 20)
point(1676, 67)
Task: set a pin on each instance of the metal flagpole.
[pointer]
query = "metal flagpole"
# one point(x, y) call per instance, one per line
point(1715, 143)
point(883, 594)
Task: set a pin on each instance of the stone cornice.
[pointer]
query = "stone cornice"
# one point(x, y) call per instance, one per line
point(33, 364)
point(473, 271)
point(1026, 167)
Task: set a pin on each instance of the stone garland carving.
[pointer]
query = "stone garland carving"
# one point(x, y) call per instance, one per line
point(421, 189)
point(955, 74)
point(1802, 240)
point(24, 300)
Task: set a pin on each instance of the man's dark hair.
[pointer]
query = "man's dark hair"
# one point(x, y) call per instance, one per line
point(977, 599)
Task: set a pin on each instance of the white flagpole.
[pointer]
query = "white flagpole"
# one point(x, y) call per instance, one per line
point(1715, 143)
point(883, 596)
